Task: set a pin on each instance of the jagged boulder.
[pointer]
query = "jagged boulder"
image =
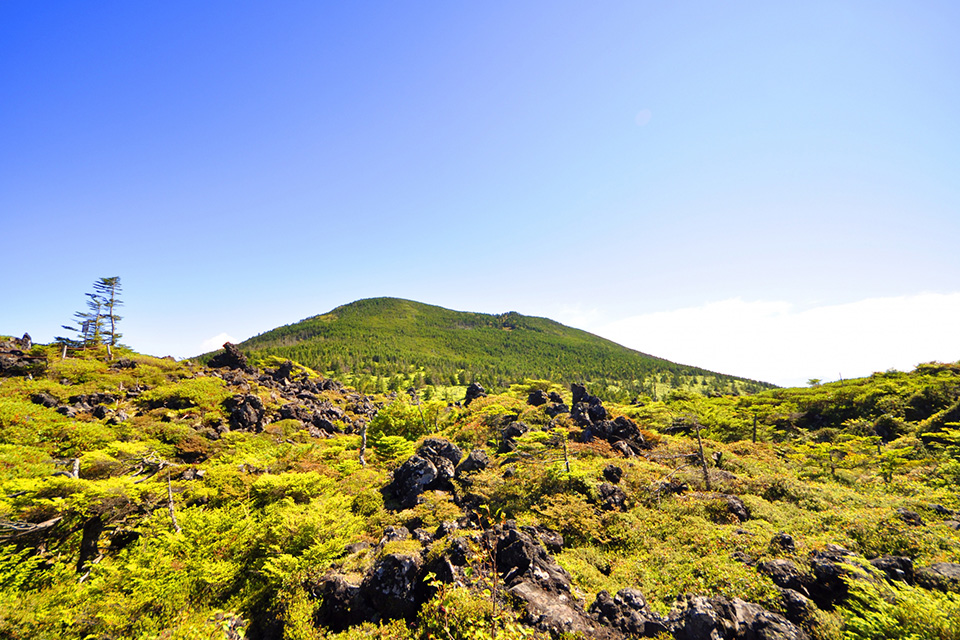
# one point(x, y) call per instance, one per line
point(476, 460)
point(391, 588)
point(737, 508)
point(944, 576)
point(542, 585)
point(895, 568)
point(411, 479)
point(786, 575)
point(612, 497)
point(628, 613)
point(509, 435)
point(833, 567)
point(702, 618)
point(474, 391)
point(44, 399)
point(231, 358)
point(538, 397)
point(612, 473)
point(246, 412)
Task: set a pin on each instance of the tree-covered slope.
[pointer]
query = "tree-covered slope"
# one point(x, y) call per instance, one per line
point(371, 341)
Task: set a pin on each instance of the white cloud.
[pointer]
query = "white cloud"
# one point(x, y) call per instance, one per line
point(777, 342)
point(216, 342)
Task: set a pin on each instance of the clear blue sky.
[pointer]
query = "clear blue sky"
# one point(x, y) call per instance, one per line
point(242, 165)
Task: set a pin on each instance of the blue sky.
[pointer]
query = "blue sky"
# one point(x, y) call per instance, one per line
point(707, 182)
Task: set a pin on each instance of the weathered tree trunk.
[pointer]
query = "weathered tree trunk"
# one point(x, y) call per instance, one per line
point(89, 549)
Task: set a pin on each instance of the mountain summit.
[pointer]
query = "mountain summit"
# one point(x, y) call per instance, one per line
point(390, 340)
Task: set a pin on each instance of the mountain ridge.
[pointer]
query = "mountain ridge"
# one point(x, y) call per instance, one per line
point(386, 337)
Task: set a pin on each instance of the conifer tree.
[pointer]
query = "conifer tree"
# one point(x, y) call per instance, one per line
point(108, 290)
point(90, 329)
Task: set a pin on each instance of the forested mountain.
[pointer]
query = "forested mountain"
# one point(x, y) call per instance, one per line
point(382, 344)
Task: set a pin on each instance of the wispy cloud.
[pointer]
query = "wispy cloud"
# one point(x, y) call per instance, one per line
point(214, 343)
point(777, 342)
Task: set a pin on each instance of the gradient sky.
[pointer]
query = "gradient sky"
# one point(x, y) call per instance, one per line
point(767, 189)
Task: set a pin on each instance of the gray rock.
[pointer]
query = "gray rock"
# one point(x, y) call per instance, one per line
point(897, 568)
point(944, 576)
point(701, 618)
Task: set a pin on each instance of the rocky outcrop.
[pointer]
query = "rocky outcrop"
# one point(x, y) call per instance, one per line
point(587, 409)
point(476, 460)
point(628, 613)
point(702, 618)
point(474, 390)
point(246, 412)
point(944, 576)
point(15, 359)
point(509, 435)
point(431, 468)
point(538, 397)
point(231, 358)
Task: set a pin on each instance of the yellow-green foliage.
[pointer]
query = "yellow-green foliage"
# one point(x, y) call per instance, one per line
point(263, 515)
point(204, 394)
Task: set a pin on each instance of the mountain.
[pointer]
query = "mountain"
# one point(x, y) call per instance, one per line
point(394, 343)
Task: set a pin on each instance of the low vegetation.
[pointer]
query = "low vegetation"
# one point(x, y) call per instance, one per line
point(145, 498)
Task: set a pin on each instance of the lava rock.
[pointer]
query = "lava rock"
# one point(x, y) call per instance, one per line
point(737, 508)
point(784, 542)
point(786, 575)
point(701, 618)
point(476, 460)
point(537, 397)
point(944, 576)
point(435, 448)
point(44, 399)
point(628, 613)
point(912, 518)
point(391, 587)
point(508, 437)
point(231, 358)
point(898, 568)
point(612, 497)
point(612, 473)
point(474, 391)
point(246, 412)
point(411, 479)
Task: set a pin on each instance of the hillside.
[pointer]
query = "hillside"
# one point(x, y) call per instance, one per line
point(383, 344)
point(150, 499)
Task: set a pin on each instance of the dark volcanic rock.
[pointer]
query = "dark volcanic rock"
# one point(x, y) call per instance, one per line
point(537, 397)
point(341, 604)
point(391, 587)
point(474, 391)
point(284, 371)
point(246, 412)
point(411, 479)
point(944, 576)
point(785, 574)
point(612, 473)
point(736, 508)
point(628, 613)
point(436, 448)
point(910, 517)
point(701, 618)
point(783, 542)
point(476, 460)
point(612, 497)
point(832, 568)
point(897, 568)
point(44, 399)
point(231, 358)
point(508, 437)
